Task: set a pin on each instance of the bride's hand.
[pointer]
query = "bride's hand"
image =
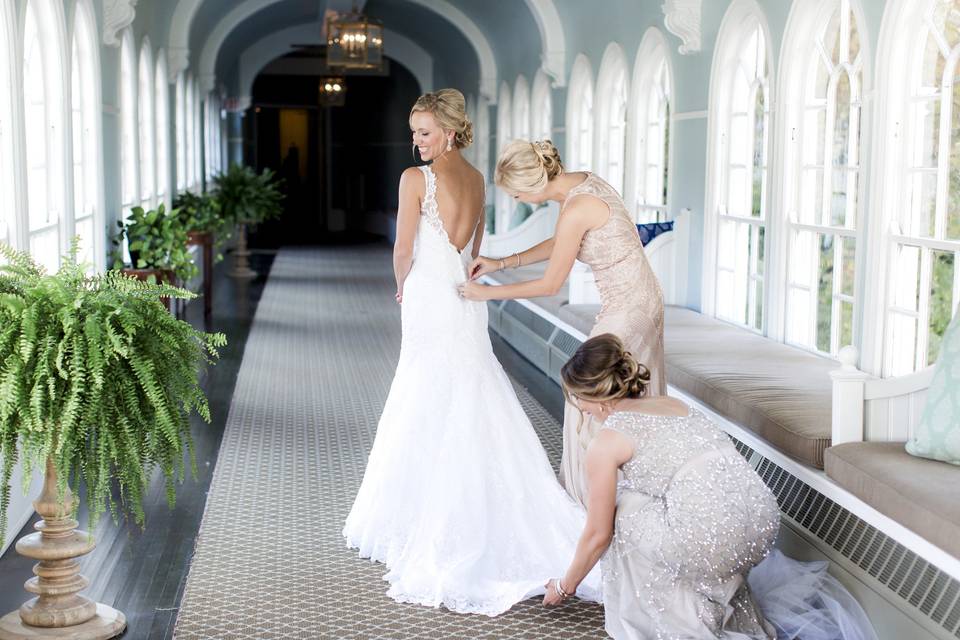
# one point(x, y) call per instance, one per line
point(399, 297)
point(482, 266)
point(472, 291)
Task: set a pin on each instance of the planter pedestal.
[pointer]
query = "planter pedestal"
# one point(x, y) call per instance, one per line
point(241, 255)
point(58, 611)
point(205, 241)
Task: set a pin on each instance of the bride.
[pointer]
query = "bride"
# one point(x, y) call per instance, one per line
point(458, 498)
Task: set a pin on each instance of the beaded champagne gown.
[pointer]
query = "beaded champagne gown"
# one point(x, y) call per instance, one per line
point(631, 309)
point(693, 519)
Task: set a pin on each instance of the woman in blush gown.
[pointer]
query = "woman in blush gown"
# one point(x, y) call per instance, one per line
point(458, 498)
point(687, 525)
point(594, 227)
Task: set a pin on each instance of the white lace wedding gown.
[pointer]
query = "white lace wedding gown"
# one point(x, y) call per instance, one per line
point(458, 498)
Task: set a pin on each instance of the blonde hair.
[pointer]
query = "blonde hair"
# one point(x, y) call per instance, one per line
point(602, 370)
point(449, 108)
point(527, 167)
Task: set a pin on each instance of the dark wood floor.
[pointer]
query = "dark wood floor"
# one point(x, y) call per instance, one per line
point(143, 573)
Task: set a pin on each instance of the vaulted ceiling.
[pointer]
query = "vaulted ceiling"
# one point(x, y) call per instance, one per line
point(462, 43)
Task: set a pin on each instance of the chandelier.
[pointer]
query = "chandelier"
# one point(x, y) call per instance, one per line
point(332, 91)
point(354, 41)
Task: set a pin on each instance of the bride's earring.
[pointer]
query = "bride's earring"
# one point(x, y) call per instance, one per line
point(449, 145)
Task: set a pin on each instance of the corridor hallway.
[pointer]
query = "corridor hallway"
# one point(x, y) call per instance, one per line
point(270, 560)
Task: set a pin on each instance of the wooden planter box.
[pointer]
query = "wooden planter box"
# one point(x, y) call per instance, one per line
point(204, 240)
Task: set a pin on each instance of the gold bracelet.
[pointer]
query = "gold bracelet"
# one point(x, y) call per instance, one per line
point(518, 261)
point(501, 264)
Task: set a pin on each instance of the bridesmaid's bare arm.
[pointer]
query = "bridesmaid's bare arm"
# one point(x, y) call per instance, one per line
point(608, 450)
point(412, 190)
point(580, 216)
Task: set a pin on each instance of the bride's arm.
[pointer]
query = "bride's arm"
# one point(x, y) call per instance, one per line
point(412, 187)
point(607, 452)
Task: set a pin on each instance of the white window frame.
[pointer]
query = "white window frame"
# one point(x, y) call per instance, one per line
point(180, 126)
point(902, 38)
point(740, 21)
point(161, 94)
point(504, 203)
point(147, 125)
point(129, 117)
point(521, 109)
point(650, 139)
point(541, 108)
point(579, 117)
point(610, 111)
point(56, 168)
point(197, 120)
point(798, 275)
point(87, 130)
point(190, 126)
point(10, 170)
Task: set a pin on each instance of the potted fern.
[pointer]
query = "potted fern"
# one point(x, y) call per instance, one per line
point(97, 382)
point(157, 243)
point(247, 198)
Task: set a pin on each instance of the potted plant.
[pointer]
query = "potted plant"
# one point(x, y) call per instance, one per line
point(201, 215)
point(97, 382)
point(157, 243)
point(207, 228)
point(247, 198)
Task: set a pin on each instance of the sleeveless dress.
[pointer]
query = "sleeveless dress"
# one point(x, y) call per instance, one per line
point(631, 309)
point(692, 556)
point(458, 498)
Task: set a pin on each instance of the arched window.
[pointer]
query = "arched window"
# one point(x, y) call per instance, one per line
point(649, 160)
point(611, 108)
point(147, 127)
point(162, 111)
point(580, 117)
point(521, 109)
point(822, 96)
point(8, 222)
point(504, 203)
point(737, 172)
point(920, 226)
point(87, 172)
point(129, 178)
point(45, 129)
point(541, 108)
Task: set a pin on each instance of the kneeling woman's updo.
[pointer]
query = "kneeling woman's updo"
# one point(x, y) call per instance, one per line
point(527, 167)
point(602, 370)
point(449, 109)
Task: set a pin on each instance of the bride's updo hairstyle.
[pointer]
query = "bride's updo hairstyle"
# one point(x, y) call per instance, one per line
point(449, 109)
point(602, 370)
point(527, 167)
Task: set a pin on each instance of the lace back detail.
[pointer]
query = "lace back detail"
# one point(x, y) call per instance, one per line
point(430, 210)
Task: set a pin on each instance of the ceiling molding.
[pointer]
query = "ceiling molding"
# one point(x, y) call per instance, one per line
point(117, 16)
point(396, 46)
point(682, 19)
point(554, 57)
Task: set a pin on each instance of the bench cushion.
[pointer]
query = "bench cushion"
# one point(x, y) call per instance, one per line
point(781, 393)
point(920, 494)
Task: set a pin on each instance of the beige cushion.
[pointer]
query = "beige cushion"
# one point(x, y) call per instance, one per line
point(922, 495)
point(781, 393)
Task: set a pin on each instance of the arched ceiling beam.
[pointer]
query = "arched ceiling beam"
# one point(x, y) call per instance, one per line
point(554, 56)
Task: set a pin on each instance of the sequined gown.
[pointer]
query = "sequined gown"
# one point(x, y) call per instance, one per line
point(631, 309)
point(692, 519)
